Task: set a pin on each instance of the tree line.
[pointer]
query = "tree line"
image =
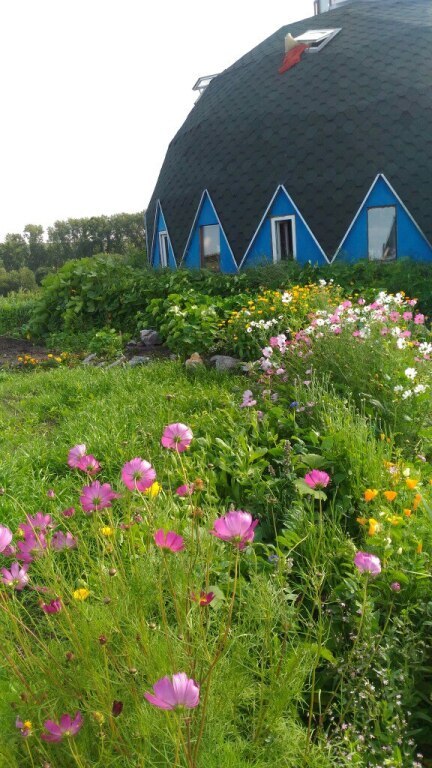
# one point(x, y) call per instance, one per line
point(26, 258)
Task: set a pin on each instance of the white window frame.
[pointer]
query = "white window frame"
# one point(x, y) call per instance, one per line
point(163, 248)
point(306, 37)
point(274, 220)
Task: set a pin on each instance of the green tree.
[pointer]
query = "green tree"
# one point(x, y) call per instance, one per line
point(14, 252)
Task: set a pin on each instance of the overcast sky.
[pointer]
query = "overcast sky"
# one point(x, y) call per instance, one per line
point(92, 91)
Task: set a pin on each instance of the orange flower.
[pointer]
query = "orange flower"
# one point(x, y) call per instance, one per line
point(361, 520)
point(390, 495)
point(411, 483)
point(370, 494)
point(407, 512)
point(417, 500)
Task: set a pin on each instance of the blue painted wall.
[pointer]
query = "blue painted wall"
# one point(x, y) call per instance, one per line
point(409, 240)
point(161, 227)
point(261, 249)
point(192, 257)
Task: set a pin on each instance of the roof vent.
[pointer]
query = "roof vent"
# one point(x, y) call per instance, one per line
point(202, 83)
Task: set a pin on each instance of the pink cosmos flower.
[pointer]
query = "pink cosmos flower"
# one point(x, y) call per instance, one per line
point(367, 563)
point(54, 606)
point(75, 455)
point(36, 524)
point(177, 437)
point(62, 540)
point(204, 598)
point(361, 301)
point(5, 537)
point(169, 540)
point(185, 490)
point(95, 497)
point(419, 319)
point(16, 577)
point(138, 475)
point(89, 464)
point(236, 527)
point(317, 479)
point(32, 546)
point(51, 494)
point(66, 728)
point(394, 316)
point(178, 692)
point(248, 400)
point(69, 512)
point(407, 315)
point(395, 586)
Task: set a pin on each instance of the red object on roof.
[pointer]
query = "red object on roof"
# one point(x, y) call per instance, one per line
point(292, 57)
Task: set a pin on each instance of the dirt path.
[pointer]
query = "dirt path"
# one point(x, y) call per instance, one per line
point(11, 349)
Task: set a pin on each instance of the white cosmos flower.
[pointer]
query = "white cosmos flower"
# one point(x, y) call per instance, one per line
point(410, 373)
point(420, 388)
point(406, 394)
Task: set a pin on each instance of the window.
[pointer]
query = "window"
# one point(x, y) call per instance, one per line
point(210, 246)
point(283, 238)
point(163, 248)
point(382, 233)
point(316, 39)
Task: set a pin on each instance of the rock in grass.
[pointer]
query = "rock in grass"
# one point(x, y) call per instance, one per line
point(138, 360)
point(225, 362)
point(150, 338)
point(119, 361)
point(89, 359)
point(194, 360)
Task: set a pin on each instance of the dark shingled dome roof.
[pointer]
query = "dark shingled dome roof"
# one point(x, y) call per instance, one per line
point(360, 106)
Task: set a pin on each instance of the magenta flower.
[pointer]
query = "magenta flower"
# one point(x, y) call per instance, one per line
point(69, 512)
point(54, 606)
point(177, 437)
point(5, 537)
point(95, 497)
point(204, 598)
point(62, 540)
point(178, 692)
point(169, 540)
point(75, 455)
point(117, 708)
point(66, 728)
point(236, 527)
point(32, 547)
point(36, 524)
point(395, 586)
point(419, 319)
point(185, 490)
point(51, 494)
point(317, 479)
point(89, 464)
point(367, 563)
point(138, 475)
point(16, 577)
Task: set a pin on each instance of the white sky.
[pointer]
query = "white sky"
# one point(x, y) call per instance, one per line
point(92, 91)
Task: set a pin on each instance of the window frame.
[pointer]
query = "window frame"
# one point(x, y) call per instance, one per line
point(374, 208)
point(164, 239)
point(274, 221)
point(331, 34)
point(201, 241)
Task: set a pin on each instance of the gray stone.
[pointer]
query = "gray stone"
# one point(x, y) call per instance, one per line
point(120, 361)
point(89, 359)
point(138, 360)
point(225, 362)
point(150, 338)
point(131, 344)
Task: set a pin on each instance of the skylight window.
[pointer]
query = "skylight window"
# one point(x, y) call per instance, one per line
point(202, 83)
point(316, 39)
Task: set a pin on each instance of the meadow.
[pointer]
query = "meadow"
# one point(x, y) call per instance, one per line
point(205, 569)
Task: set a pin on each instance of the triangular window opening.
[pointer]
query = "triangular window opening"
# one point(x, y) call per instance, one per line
point(210, 247)
point(163, 249)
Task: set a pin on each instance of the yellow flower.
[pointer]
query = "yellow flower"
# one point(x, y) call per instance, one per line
point(411, 483)
point(106, 530)
point(58, 359)
point(373, 526)
point(361, 520)
point(99, 717)
point(81, 594)
point(419, 549)
point(153, 490)
point(50, 354)
point(395, 519)
point(370, 494)
point(390, 495)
